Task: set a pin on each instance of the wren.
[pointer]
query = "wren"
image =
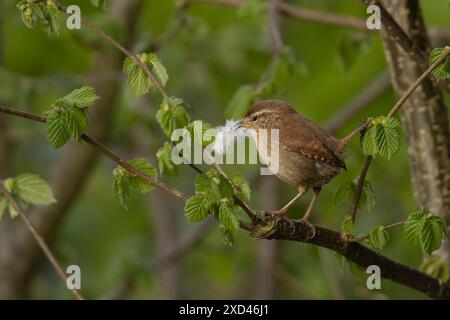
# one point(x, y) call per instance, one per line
point(309, 157)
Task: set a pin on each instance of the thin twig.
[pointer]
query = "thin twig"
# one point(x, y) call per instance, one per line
point(40, 241)
point(390, 226)
point(107, 152)
point(124, 50)
point(393, 112)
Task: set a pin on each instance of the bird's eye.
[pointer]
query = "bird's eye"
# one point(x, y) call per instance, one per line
point(254, 118)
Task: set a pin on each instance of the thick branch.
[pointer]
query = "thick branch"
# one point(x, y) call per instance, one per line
point(359, 254)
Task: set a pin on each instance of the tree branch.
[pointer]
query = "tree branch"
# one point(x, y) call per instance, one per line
point(39, 240)
point(393, 112)
point(297, 231)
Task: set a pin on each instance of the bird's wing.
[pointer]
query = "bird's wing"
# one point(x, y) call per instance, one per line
point(311, 141)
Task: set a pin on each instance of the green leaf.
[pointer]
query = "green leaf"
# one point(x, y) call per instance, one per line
point(172, 115)
point(412, 227)
point(228, 216)
point(137, 80)
point(50, 21)
point(12, 211)
point(3, 206)
point(158, 68)
point(382, 137)
point(240, 102)
point(144, 166)
point(77, 122)
point(213, 186)
point(30, 13)
point(58, 131)
point(442, 72)
point(81, 98)
point(201, 131)
point(243, 186)
point(32, 189)
point(121, 188)
point(347, 226)
point(344, 191)
point(166, 164)
point(197, 208)
point(379, 237)
point(432, 233)
point(435, 267)
point(227, 235)
point(347, 191)
point(425, 229)
point(367, 199)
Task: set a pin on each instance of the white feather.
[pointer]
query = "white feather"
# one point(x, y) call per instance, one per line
point(227, 135)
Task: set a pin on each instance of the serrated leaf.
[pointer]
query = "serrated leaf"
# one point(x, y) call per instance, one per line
point(432, 233)
point(243, 186)
point(166, 164)
point(227, 235)
point(201, 131)
point(83, 97)
point(240, 102)
point(379, 237)
point(367, 197)
point(171, 117)
point(412, 227)
point(158, 69)
point(347, 226)
point(435, 267)
point(32, 189)
point(343, 191)
point(44, 13)
point(121, 189)
point(144, 166)
point(228, 216)
point(137, 80)
point(50, 21)
point(58, 132)
point(382, 137)
point(197, 208)
point(77, 122)
point(442, 72)
point(213, 186)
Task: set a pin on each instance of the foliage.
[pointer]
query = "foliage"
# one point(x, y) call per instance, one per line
point(68, 116)
point(27, 189)
point(346, 191)
point(124, 181)
point(424, 229)
point(442, 72)
point(43, 13)
point(382, 137)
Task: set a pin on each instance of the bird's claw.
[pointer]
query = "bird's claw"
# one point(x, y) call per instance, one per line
point(311, 229)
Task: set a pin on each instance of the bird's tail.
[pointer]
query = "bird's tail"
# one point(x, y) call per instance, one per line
point(344, 141)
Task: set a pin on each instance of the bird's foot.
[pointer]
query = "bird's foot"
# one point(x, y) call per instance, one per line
point(276, 215)
point(311, 229)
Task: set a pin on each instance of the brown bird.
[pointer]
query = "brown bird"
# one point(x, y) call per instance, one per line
point(309, 157)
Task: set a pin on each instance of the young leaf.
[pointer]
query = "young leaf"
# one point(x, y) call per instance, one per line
point(197, 208)
point(77, 122)
point(166, 164)
point(432, 233)
point(121, 188)
point(158, 68)
point(81, 98)
point(201, 132)
point(32, 189)
point(58, 132)
point(142, 165)
point(172, 115)
point(347, 226)
point(137, 80)
point(367, 199)
point(227, 235)
point(228, 216)
point(442, 72)
point(344, 191)
point(242, 184)
point(50, 21)
point(213, 186)
point(412, 227)
point(379, 237)
point(382, 137)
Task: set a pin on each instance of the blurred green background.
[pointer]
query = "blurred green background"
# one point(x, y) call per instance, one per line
point(218, 50)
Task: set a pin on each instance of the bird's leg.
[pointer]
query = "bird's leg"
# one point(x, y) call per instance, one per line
point(308, 213)
point(282, 212)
